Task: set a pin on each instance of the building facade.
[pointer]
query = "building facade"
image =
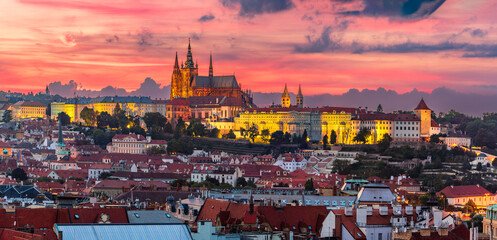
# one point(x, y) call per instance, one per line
point(28, 110)
point(186, 82)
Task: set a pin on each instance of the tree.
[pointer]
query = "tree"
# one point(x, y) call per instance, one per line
point(253, 132)
point(64, 118)
point(241, 182)
point(214, 133)
point(104, 175)
point(362, 135)
point(89, 116)
point(277, 138)
point(486, 138)
point(304, 140)
point(196, 128)
point(154, 119)
point(265, 135)
point(325, 141)
point(7, 116)
point(470, 207)
point(309, 185)
point(384, 143)
point(104, 120)
point(287, 138)
point(19, 174)
point(333, 137)
point(156, 150)
point(435, 138)
point(230, 135)
point(180, 128)
point(379, 109)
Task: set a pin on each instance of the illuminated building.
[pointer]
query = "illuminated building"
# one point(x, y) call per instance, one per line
point(423, 112)
point(134, 106)
point(185, 82)
point(28, 110)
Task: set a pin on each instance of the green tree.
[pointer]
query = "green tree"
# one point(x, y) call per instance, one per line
point(309, 185)
point(470, 207)
point(241, 182)
point(384, 143)
point(287, 138)
point(19, 174)
point(64, 118)
point(180, 128)
point(89, 116)
point(7, 116)
point(103, 120)
point(156, 150)
point(277, 138)
point(104, 175)
point(435, 138)
point(196, 128)
point(333, 137)
point(362, 136)
point(325, 141)
point(230, 135)
point(304, 140)
point(154, 119)
point(253, 132)
point(214, 133)
point(265, 135)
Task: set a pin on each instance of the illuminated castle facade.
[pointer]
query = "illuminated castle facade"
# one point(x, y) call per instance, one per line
point(185, 82)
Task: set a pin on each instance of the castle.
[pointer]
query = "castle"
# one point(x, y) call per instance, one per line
point(185, 82)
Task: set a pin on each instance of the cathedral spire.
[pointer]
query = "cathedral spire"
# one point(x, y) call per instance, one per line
point(211, 71)
point(285, 98)
point(300, 98)
point(189, 59)
point(176, 65)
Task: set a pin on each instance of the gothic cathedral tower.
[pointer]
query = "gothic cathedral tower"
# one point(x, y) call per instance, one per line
point(285, 98)
point(182, 78)
point(176, 80)
point(300, 98)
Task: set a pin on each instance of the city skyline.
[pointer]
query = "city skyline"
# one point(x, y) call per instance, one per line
point(329, 45)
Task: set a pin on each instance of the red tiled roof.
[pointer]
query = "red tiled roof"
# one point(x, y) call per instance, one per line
point(292, 216)
point(464, 191)
point(434, 124)
point(422, 105)
point(28, 104)
point(132, 135)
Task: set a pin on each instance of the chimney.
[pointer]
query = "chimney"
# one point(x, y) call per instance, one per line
point(348, 211)
point(383, 210)
point(443, 231)
point(425, 232)
point(361, 216)
point(409, 210)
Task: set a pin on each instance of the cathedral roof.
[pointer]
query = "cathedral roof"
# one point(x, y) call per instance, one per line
point(217, 81)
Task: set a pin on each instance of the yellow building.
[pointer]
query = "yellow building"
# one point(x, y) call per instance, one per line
point(134, 106)
point(28, 110)
point(295, 120)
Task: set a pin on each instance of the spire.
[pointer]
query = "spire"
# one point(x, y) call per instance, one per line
point(285, 92)
point(176, 65)
point(211, 71)
point(422, 105)
point(189, 59)
point(300, 98)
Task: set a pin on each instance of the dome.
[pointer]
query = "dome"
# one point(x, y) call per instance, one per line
point(5, 151)
point(482, 155)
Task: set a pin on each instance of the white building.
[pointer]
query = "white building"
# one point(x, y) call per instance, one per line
point(222, 174)
point(291, 162)
point(98, 168)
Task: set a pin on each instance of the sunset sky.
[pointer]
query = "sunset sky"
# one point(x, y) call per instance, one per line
point(328, 46)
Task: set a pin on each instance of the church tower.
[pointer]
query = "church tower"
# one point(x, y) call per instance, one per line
point(285, 98)
point(176, 80)
point(423, 112)
point(188, 72)
point(300, 98)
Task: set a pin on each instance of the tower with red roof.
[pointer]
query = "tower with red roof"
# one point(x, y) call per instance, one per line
point(423, 112)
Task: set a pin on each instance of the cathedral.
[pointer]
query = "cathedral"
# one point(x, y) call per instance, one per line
point(185, 82)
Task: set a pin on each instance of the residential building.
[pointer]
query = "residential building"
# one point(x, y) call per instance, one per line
point(458, 196)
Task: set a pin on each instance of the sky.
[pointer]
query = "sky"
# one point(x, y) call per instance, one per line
point(328, 46)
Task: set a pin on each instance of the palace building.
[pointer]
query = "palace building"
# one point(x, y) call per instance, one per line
point(186, 82)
